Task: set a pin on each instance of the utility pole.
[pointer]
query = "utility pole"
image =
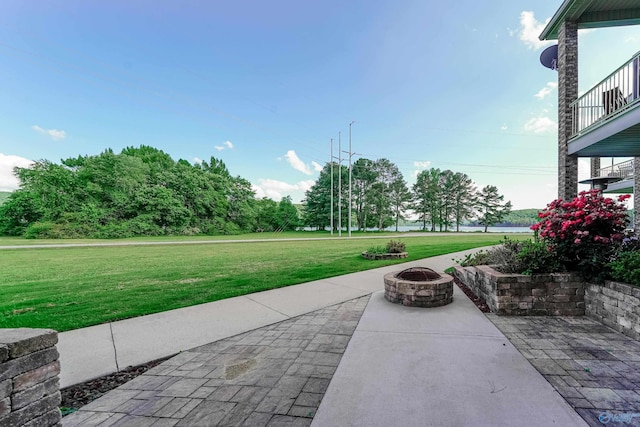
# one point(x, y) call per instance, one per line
point(350, 154)
point(339, 186)
point(331, 163)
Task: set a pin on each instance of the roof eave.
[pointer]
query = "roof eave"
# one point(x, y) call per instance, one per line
point(569, 10)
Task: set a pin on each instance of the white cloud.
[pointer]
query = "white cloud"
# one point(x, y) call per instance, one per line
point(542, 93)
point(197, 160)
point(421, 165)
point(530, 30)
point(8, 182)
point(540, 124)
point(225, 145)
point(296, 163)
point(55, 134)
point(316, 166)
point(276, 190)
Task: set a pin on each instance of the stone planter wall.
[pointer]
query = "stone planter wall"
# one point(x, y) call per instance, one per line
point(29, 384)
point(617, 305)
point(557, 294)
point(399, 255)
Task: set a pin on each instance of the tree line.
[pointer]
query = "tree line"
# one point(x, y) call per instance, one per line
point(143, 191)
point(140, 191)
point(381, 198)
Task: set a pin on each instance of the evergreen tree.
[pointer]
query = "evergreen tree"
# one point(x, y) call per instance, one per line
point(426, 196)
point(491, 207)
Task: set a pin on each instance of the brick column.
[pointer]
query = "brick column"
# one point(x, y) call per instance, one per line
point(567, 93)
point(595, 167)
point(29, 386)
point(636, 194)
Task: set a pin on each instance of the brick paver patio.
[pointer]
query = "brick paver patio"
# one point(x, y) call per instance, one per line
point(596, 369)
point(277, 375)
point(272, 376)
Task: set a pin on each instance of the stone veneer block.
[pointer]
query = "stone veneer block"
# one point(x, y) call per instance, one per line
point(24, 340)
point(399, 255)
point(29, 384)
point(615, 304)
point(557, 294)
point(412, 293)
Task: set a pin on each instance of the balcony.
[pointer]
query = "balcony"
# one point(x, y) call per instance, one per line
point(616, 178)
point(623, 170)
point(606, 120)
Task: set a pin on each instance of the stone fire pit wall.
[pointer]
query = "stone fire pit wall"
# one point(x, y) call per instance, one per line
point(418, 293)
point(557, 294)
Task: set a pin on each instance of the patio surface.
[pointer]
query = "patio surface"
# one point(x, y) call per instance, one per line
point(596, 369)
point(275, 376)
point(366, 362)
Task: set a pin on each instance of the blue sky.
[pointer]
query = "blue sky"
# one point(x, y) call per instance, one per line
point(264, 86)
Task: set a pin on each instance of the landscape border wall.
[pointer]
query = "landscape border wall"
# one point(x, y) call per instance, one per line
point(29, 383)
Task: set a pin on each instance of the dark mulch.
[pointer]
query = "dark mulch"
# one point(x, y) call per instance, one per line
point(479, 302)
point(81, 394)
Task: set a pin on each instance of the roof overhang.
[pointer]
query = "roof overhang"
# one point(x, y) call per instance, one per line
point(593, 14)
point(618, 137)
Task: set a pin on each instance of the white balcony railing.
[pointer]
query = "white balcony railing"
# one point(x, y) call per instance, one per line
point(622, 170)
point(615, 94)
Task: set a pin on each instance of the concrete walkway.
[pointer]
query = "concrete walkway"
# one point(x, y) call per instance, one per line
point(402, 366)
point(444, 366)
point(99, 350)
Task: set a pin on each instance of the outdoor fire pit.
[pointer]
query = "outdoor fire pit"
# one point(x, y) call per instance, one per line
point(418, 287)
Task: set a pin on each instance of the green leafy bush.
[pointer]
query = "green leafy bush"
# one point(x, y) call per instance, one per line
point(394, 247)
point(478, 258)
point(536, 258)
point(40, 230)
point(626, 268)
point(520, 257)
point(377, 250)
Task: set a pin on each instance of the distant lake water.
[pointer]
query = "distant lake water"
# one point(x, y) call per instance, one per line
point(463, 229)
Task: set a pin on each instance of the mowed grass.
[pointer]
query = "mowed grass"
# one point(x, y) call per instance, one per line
point(73, 287)
point(21, 241)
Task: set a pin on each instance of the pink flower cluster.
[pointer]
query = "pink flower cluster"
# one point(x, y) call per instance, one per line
point(589, 218)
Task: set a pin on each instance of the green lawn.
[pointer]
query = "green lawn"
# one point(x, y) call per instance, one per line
point(69, 288)
point(21, 241)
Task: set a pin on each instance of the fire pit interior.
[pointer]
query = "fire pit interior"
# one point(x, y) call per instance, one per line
point(418, 287)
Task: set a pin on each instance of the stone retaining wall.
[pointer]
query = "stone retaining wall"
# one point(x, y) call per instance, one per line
point(557, 294)
point(373, 256)
point(29, 384)
point(617, 305)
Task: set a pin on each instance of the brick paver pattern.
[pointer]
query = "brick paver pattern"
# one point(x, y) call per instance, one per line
point(595, 369)
point(272, 376)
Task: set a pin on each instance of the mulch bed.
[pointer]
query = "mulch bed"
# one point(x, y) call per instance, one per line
point(479, 302)
point(78, 395)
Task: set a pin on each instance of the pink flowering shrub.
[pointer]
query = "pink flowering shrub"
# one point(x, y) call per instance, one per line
point(585, 232)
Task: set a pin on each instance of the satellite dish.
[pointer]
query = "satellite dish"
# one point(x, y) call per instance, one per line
point(549, 57)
